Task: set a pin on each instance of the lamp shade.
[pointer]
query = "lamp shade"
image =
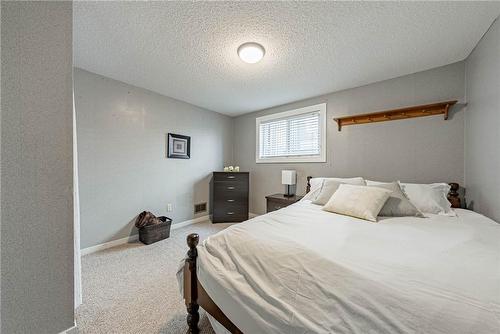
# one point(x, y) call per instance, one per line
point(288, 177)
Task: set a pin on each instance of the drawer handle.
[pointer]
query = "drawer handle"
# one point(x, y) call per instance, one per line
point(231, 177)
point(230, 213)
point(230, 188)
point(230, 200)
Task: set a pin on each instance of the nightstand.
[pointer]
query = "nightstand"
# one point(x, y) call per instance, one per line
point(278, 201)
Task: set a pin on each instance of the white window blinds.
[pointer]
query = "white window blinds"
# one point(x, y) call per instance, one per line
point(297, 134)
point(292, 136)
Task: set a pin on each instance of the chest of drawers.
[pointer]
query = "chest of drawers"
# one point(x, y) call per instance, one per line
point(230, 197)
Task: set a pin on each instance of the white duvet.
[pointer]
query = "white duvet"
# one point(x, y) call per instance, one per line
point(303, 270)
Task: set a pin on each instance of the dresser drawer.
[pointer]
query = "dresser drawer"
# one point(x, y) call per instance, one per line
point(241, 177)
point(229, 218)
point(230, 213)
point(227, 199)
point(230, 188)
point(230, 205)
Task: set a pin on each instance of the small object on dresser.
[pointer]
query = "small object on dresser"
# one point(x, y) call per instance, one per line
point(279, 201)
point(152, 228)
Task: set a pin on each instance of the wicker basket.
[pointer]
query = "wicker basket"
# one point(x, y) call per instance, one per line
point(153, 233)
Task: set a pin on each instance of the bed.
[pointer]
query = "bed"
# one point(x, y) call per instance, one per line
point(304, 270)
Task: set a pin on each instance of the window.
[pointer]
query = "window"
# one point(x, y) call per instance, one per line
point(292, 136)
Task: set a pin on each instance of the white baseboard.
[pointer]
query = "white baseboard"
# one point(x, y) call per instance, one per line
point(189, 222)
point(109, 244)
point(135, 237)
point(71, 330)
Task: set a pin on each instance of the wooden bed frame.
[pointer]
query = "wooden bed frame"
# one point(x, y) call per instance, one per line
point(196, 296)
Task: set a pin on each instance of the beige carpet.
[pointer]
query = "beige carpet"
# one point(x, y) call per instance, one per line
point(133, 288)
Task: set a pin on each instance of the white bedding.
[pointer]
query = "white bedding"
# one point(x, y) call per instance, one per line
point(304, 270)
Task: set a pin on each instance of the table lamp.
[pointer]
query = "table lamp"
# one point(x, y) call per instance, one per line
point(288, 178)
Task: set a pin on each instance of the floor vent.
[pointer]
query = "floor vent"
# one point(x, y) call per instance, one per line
point(200, 207)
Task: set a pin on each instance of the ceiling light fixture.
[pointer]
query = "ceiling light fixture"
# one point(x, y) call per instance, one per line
point(251, 52)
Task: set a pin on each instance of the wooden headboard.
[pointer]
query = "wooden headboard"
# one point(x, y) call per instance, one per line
point(308, 187)
point(453, 195)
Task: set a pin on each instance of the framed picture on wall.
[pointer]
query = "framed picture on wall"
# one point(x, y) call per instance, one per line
point(178, 146)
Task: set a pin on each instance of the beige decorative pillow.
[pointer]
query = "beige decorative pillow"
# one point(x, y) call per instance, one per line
point(398, 205)
point(358, 201)
point(331, 185)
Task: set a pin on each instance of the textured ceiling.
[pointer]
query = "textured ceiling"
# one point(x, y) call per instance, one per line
point(188, 50)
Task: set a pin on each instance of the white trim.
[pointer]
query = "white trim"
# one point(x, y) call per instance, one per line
point(189, 222)
point(109, 244)
point(78, 300)
point(135, 237)
point(70, 330)
point(321, 108)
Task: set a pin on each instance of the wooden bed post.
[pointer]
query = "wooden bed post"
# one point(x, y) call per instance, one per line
point(191, 288)
point(195, 295)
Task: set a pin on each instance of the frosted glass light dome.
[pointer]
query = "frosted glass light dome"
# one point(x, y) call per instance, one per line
point(251, 52)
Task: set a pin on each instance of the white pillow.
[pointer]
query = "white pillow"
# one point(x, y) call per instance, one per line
point(330, 185)
point(316, 183)
point(311, 195)
point(398, 205)
point(374, 183)
point(358, 201)
point(429, 198)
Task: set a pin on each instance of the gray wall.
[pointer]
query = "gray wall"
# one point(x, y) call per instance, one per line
point(482, 125)
point(123, 170)
point(37, 169)
point(0, 176)
point(426, 149)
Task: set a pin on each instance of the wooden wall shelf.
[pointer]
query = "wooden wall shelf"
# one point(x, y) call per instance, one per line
point(395, 114)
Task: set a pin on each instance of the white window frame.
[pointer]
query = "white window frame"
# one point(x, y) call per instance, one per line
point(321, 108)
